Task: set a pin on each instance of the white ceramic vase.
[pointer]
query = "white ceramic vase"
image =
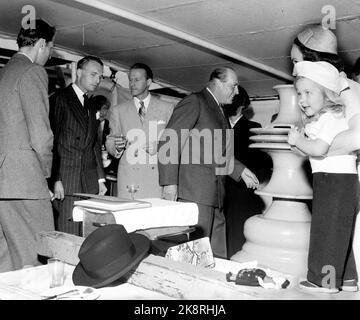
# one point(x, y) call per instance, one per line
point(279, 238)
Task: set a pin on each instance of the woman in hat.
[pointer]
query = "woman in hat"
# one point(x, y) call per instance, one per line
point(336, 189)
point(316, 43)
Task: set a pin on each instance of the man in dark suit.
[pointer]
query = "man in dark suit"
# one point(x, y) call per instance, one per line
point(193, 174)
point(77, 165)
point(241, 202)
point(26, 141)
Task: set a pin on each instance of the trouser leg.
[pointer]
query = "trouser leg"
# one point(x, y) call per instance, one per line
point(20, 221)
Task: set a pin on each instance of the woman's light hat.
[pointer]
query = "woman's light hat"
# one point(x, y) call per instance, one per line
point(318, 38)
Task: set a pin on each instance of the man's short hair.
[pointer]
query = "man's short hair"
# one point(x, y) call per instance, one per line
point(99, 101)
point(29, 36)
point(84, 61)
point(148, 71)
point(220, 73)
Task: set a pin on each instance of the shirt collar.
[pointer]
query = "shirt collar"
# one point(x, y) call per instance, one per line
point(146, 102)
point(79, 93)
point(26, 55)
point(234, 122)
point(213, 96)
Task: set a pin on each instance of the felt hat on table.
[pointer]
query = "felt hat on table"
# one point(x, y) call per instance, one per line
point(107, 254)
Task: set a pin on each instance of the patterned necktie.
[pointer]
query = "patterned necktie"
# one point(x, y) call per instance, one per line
point(142, 111)
point(86, 103)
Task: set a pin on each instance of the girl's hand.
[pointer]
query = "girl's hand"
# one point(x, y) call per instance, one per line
point(293, 135)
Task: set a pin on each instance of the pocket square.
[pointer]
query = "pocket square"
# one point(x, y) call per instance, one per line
point(161, 122)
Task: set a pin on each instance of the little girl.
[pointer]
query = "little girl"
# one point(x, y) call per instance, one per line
point(336, 190)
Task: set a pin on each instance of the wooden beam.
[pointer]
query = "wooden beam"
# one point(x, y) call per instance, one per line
point(174, 279)
point(60, 245)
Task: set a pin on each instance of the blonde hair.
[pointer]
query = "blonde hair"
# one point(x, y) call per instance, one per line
point(332, 104)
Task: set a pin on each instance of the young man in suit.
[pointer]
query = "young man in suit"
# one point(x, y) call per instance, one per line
point(194, 176)
point(141, 120)
point(77, 165)
point(26, 142)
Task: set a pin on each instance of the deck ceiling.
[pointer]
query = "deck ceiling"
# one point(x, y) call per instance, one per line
point(259, 30)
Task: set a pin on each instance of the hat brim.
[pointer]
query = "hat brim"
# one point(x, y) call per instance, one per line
point(81, 278)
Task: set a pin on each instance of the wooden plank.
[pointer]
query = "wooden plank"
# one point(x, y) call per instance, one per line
point(174, 279)
point(60, 245)
point(184, 281)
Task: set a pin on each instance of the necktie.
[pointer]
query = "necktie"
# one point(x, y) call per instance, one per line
point(86, 103)
point(142, 111)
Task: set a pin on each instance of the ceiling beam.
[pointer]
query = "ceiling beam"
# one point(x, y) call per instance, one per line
point(99, 5)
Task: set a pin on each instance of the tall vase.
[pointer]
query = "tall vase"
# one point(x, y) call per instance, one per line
point(289, 112)
point(279, 238)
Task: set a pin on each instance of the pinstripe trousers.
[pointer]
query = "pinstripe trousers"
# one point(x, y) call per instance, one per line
point(63, 216)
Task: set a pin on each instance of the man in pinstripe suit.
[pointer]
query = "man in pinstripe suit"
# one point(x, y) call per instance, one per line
point(77, 164)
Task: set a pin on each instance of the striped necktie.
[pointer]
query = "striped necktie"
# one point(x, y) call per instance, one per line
point(142, 111)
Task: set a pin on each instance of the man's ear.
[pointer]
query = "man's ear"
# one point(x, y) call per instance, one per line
point(78, 73)
point(41, 43)
point(149, 82)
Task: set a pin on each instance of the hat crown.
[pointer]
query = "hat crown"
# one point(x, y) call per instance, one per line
point(318, 38)
point(106, 250)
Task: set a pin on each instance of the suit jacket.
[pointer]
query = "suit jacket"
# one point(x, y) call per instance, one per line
point(77, 154)
point(196, 169)
point(25, 136)
point(136, 166)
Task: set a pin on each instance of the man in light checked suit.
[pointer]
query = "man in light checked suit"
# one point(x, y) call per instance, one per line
point(26, 142)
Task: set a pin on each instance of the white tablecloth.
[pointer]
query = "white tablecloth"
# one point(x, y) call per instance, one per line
point(162, 213)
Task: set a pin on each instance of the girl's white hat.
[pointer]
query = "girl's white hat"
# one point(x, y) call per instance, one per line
point(322, 73)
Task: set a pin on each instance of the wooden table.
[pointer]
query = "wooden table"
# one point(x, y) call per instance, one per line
point(28, 284)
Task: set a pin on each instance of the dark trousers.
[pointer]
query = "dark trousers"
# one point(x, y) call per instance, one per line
point(334, 209)
point(241, 203)
point(211, 223)
point(63, 216)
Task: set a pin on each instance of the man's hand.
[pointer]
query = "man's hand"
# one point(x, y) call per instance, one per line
point(52, 196)
point(151, 148)
point(59, 190)
point(102, 188)
point(170, 192)
point(250, 179)
point(120, 143)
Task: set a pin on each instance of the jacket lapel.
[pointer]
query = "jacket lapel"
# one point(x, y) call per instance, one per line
point(210, 101)
point(77, 109)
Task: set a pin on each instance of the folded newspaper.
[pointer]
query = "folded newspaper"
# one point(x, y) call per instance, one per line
point(109, 203)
